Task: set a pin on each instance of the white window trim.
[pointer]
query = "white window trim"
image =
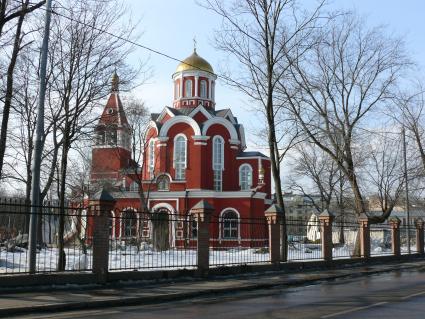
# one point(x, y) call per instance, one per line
point(218, 137)
point(151, 166)
point(121, 220)
point(174, 149)
point(240, 175)
point(220, 219)
point(205, 96)
point(186, 85)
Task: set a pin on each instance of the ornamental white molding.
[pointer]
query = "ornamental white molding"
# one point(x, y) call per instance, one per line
point(200, 108)
point(194, 73)
point(162, 204)
point(207, 194)
point(164, 112)
point(237, 142)
point(152, 124)
point(253, 157)
point(163, 139)
point(180, 119)
point(242, 135)
point(222, 121)
point(168, 195)
point(200, 138)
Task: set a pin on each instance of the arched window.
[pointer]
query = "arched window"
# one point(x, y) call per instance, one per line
point(203, 88)
point(180, 156)
point(245, 177)
point(218, 162)
point(100, 139)
point(229, 225)
point(151, 158)
point(163, 183)
point(111, 136)
point(134, 187)
point(129, 224)
point(188, 88)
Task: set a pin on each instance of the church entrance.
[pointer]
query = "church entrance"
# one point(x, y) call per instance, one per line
point(161, 229)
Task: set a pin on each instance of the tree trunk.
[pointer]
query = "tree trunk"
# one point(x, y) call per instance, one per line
point(9, 91)
point(61, 231)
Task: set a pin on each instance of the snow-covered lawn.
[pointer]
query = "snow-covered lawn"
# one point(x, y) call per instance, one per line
point(131, 258)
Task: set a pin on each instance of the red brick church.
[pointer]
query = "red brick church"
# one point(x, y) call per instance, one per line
point(194, 151)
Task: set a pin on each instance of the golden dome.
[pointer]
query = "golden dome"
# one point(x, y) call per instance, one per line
point(194, 62)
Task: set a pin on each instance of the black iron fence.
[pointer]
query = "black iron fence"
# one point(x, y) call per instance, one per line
point(235, 240)
point(345, 239)
point(380, 239)
point(14, 225)
point(150, 241)
point(304, 239)
point(164, 240)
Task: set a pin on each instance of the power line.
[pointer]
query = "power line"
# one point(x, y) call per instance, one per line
point(224, 77)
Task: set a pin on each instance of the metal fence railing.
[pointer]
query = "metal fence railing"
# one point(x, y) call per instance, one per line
point(14, 225)
point(345, 239)
point(380, 239)
point(304, 239)
point(408, 234)
point(236, 241)
point(148, 241)
point(162, 240)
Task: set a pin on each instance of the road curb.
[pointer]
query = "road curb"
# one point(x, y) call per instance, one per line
point(167, 297)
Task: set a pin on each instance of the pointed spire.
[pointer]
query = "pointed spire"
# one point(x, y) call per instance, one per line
point(194, 44)
point(115, 83)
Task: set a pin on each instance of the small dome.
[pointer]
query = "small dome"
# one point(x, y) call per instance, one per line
point(194, 62)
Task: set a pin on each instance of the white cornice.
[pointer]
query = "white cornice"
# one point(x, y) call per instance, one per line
point(253, 157)
point(200, 137)
point(180, 119)
point(201, 109)
point(222, 121)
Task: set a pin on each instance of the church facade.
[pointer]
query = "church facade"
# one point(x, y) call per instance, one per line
point(193, 151)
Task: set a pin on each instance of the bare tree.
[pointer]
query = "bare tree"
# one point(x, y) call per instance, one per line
point(315, 167)
point(259, 34)
point(384, 174)
point(85, 56)
point(410, 112)
point(334, 89)
point(9, 12)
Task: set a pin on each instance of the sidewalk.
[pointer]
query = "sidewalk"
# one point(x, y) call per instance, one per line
point(61, 300)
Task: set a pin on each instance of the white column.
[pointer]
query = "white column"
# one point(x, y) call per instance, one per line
point(181, 85)
point(210, 90)
point(196, 86)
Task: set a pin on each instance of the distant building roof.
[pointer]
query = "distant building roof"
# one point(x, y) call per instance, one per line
point(252, 154)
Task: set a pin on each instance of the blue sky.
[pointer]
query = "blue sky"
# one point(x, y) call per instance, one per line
point(170, 25)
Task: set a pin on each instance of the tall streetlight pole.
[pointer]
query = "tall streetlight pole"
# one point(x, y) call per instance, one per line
point(38, 144)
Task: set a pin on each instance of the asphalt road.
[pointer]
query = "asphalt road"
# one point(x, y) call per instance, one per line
point(391, 295)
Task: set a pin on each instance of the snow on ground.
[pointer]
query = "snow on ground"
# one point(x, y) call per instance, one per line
point(130, 258)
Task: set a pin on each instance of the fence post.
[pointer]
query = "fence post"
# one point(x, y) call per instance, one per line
point(420, 236)
point(101, 205)
point(273, 215)
point(326, 218)
point(364, 236)
point(202, 212)
point(395, 235)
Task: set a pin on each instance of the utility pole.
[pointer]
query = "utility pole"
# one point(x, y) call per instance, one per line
point(38, 145)
point(403, 132)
